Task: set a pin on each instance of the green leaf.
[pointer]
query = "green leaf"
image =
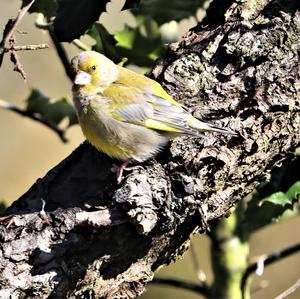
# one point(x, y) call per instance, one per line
point(163, 11)
point(294, 191)
point(46, 7)
point(272, 199)
point(263, 211)
point(52, 110)
point(131, 4)
point(139, 49)
point(130, 43)
point(277, 198)
point(105, 42)
point(125, 38)
point(75, 17)
point(281, 198)
point(260, 214)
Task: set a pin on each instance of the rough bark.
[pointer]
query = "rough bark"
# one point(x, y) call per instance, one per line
point(239, 68)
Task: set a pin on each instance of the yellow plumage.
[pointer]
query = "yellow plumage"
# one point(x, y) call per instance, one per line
point(127, 115)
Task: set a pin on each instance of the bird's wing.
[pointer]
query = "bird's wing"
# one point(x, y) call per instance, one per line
point(132, 105)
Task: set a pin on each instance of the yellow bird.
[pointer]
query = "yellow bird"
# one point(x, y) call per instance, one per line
point(127, 115)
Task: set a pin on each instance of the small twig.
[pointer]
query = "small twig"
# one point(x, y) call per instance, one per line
point(260, 265)
point(22, 32)
point(41, 24)
point(10, 28)
point(270, 259)
point(290, 290)
point(57, 130)
point(17, 21)
point(61, 54)
point(203, 290)
point(8, 41)
point(17, 64)
point(200, 273)
point(82, 46)
point(27, 47)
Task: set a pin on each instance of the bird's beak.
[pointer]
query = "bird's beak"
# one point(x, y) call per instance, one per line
point(82, 78)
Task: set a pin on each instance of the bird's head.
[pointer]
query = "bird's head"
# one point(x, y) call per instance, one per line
point(93, 71)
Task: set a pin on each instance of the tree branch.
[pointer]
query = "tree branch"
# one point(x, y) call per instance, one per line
point(79, 44)
point(242, 76)
point(290, 290)
point(7, 44)
point(27, 47)
point(61, 54)
point(10, 28)
point(269, 260)
point(37, 118)
point(177, 283)
point(60, 50)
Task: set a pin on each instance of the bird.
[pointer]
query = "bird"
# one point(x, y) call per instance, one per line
point(127, 115)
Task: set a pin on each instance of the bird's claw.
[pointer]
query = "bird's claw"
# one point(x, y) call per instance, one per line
point(8, 220)
point(119, 171)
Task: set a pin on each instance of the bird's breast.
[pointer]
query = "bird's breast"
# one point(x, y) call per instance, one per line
point(117, 139)
point(101, 130)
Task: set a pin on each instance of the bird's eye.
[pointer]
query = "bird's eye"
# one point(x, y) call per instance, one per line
point(93, 67)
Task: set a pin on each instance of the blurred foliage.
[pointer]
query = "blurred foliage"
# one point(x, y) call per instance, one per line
point(46, 7)
point(104, 42)
point(131, 4)
point(139, 49)
point(272, 199)
point(3, 207)
point(230, 247)
point(50, 109)
point(163, 11)
point(284, 198)
point(75, 17)
point(141, 45)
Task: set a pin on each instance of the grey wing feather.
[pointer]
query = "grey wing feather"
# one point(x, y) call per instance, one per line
point(136, 112)
point(173, 116)
point(159, 109)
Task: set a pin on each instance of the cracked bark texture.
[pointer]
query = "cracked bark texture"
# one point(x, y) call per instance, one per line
point(239, 69)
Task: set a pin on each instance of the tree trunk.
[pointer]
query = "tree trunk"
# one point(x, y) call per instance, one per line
point(239, 69)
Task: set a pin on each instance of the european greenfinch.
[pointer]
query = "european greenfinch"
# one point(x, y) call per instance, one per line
point(127, 115)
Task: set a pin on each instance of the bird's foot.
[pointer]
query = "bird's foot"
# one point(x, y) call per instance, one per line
point(7, 220)
point(119, 171)
point(43, 215)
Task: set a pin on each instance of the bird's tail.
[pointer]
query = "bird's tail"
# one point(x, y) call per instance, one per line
point(203, 126)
